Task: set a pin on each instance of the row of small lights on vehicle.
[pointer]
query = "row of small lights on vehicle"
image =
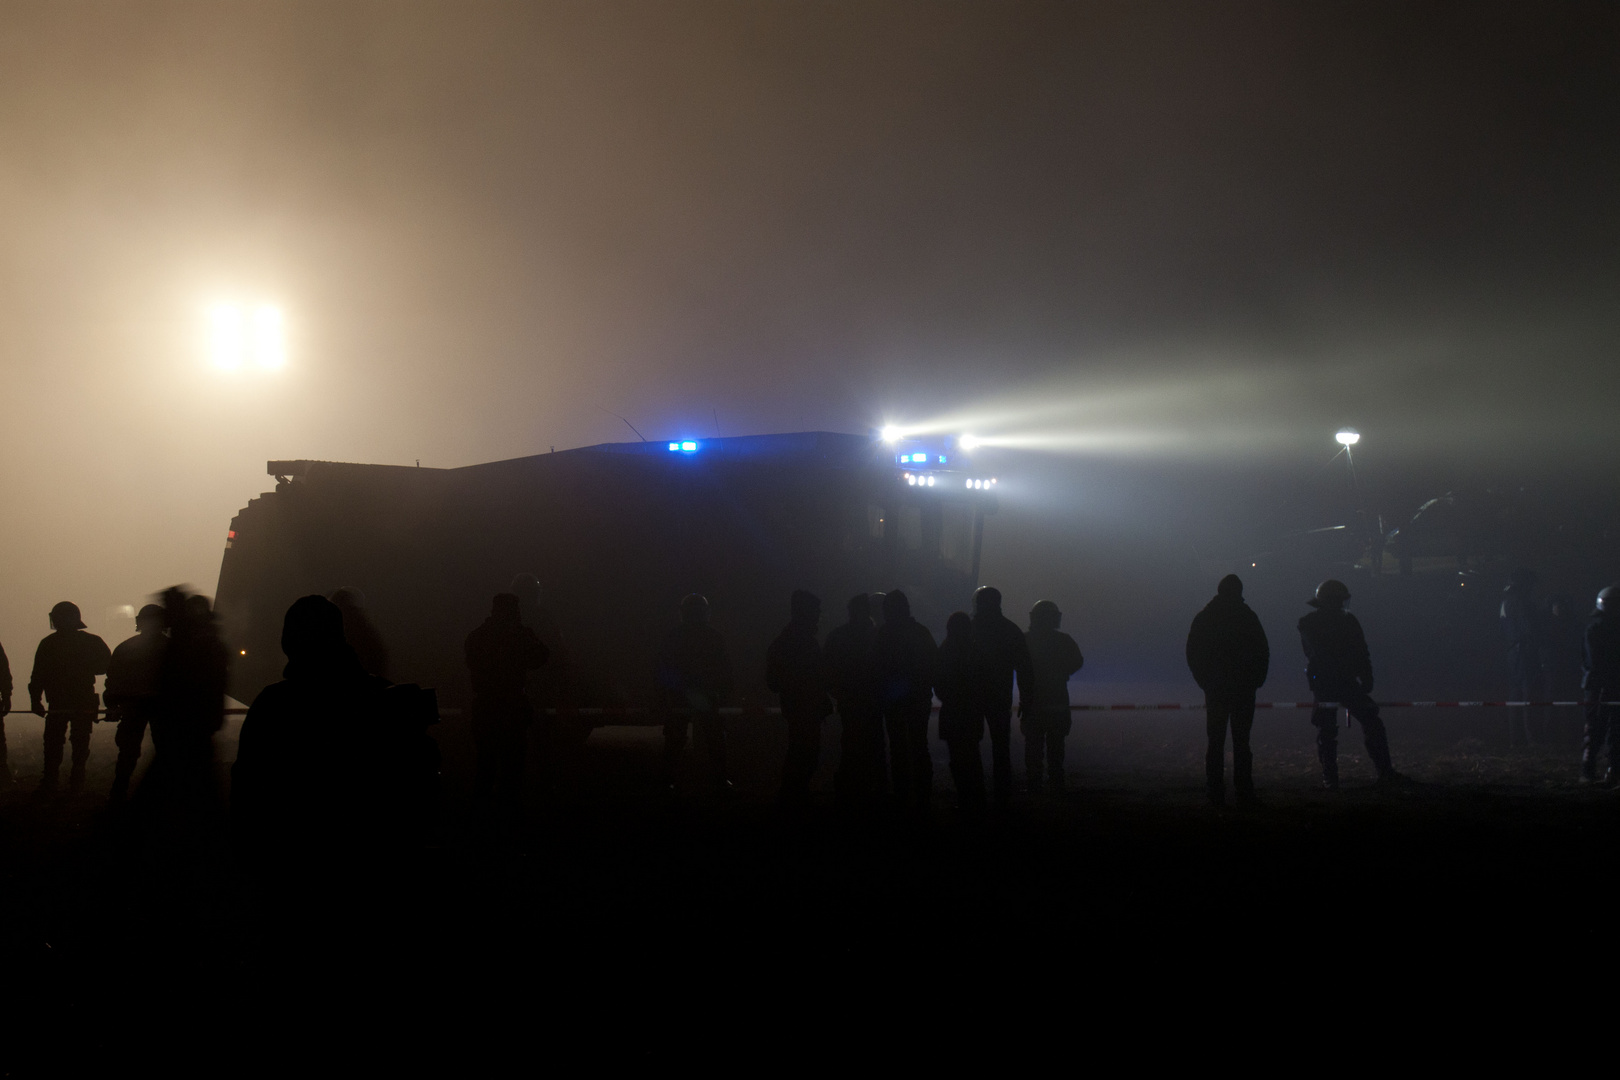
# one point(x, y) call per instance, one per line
point(914, 480)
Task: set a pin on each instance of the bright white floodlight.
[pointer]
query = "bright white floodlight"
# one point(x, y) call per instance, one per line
point(227, 336)
point(269, 337)
point(968, 442)
point(1348, 436)
point(237, 337)
point(890, 433)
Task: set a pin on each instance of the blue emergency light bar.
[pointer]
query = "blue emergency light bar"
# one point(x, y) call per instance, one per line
point(686, 447)
point(918, 459)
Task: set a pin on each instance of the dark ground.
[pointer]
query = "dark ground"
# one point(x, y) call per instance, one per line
point(623, 923)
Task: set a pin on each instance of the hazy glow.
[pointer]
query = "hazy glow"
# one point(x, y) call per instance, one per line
point(891, 433)
point(238, 337)
point(968, 442)
point(1348, 436)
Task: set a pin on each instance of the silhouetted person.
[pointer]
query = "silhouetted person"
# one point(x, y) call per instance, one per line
point(694, 679)
point(906, 657)
point(65, 669)
point(132, 693)
point(1053, 659)
point(6, 777)
point(191, 706)
point(1229, 657)
point(1601, 682)
point(548, 687)
point(852, 679)
point(961, 721)
point(1003, 654)
point(360, 632)
point(794, 669)
point(1340, 670)
point(299, 782)
point(500, 654)
point(1523, 627)
point(1561, 657)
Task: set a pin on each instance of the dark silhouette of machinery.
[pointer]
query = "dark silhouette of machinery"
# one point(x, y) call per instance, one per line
point(616, 534)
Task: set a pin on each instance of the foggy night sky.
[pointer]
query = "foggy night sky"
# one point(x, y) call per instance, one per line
point(1217, 231)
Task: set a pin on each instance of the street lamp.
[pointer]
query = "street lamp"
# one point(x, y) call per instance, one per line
point(1348, 437)
point(890, 433)
point(239, 336)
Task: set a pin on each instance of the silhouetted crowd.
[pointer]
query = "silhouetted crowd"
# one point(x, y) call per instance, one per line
point(880, 671)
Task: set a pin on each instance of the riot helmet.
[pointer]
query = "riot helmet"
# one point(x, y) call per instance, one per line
point(1331, 593)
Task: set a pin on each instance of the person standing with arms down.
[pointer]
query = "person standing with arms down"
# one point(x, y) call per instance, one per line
point(794, 668)
point(961, 721)
point(1229, 657)
point(133, 684)
point(500, 654)
point(1600, 681)
point(65, 669)
point(1002, 654)
point(1340, 670)
point(906, 656)
point(1053, 658)
point(852, 678)
point(1525, 630)
point(694, 679)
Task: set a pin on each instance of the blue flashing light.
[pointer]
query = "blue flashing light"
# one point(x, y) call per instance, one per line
point(687, 447)
point(942, 459)
point(674, 446)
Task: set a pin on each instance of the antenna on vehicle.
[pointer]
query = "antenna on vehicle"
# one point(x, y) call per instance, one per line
point(627, 423)
point(717, 423)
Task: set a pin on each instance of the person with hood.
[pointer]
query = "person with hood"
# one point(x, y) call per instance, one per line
point(1600, 681)
point(1002, 655)
point(65, 668)
point(1340, 672)
point(297, 784)
point(794, 669)
point(1229, 657)
point(961, 721)
point(852, 679)
point(694, 679)
point(500, 654)
point(1045, 724)
point(906, 656)
point(132, 691)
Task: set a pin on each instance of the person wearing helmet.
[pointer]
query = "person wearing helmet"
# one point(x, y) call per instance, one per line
point(1340, 672)
point(1002, 654)
point(132, 691)
point(1524, 629)
point(1600, 679)
point(906, 657)
point(852, 679)
point(65, 669)
point(500, 654)
point(1053, 659)
point(794, 669)
point(694, 679)
point(1229, 657)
